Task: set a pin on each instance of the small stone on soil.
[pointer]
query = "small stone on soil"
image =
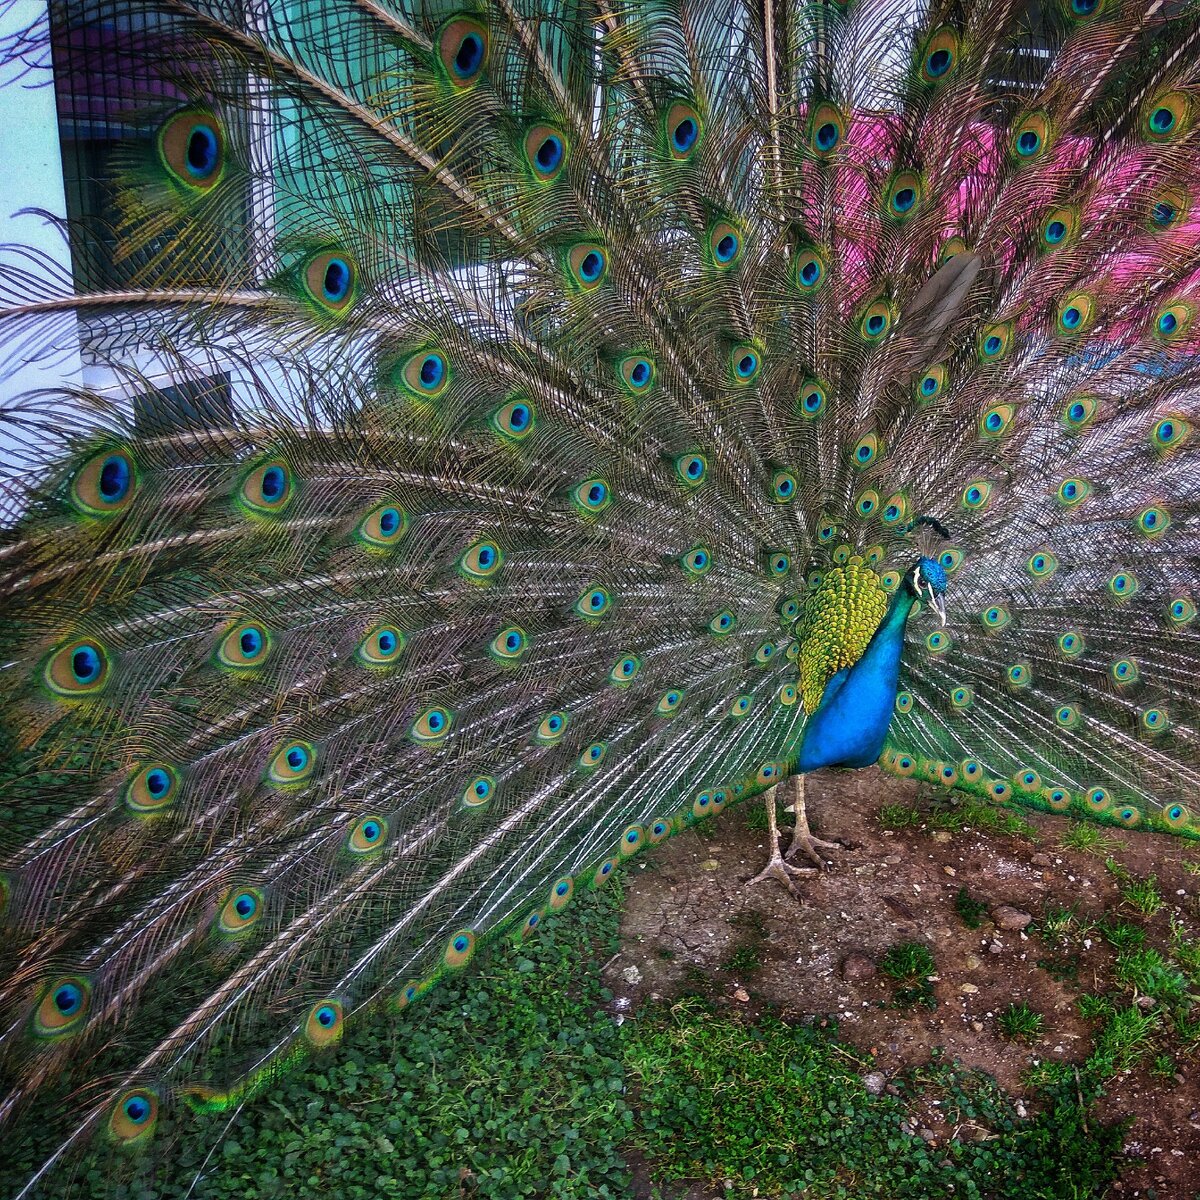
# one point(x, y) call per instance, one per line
point(857, 967)
point(1008, 917)
point(875, 1082)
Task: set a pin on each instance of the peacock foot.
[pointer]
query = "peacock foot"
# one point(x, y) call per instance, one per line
point(784, 872)
point(803, 840)
point(776, 867)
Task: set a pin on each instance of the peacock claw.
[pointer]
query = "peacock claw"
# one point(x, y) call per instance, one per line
point(783, 871)
point(804, 842)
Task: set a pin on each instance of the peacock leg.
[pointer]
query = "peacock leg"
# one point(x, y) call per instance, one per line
point(776, 868)
point(802, 837)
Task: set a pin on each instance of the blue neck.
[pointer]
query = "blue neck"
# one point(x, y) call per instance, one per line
point(851, 722)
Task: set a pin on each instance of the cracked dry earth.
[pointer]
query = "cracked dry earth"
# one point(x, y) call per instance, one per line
point(689, 908)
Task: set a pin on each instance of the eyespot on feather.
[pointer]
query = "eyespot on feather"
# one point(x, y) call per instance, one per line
point(1031, 137)
point(745, 362)
point(191, 146)
point(367, 835)
point(242, 910)
point(546, 152)
point(481, 562)
point(510, 644)
point(725, 245)
point(425, 374)
point(1076, 314)
point(80, 668)
point(479, 791)
point(245, 647)
point(383, 527)
point(268, 489)
point(691, 469)
point(63, 1007)
point(432, 725)
point(697, 561)
point(876, 320)
point(331, 281)
point(637, 373)
point(591, 497)
point(625, 669)
point(293, 764)
point(324, 1023)
point(515, 420)
point(551, 728)
point(381, 646)
point(593, 604)
point(1167, 117)
point(669, 702)
point(683, 130)
point(152, 789)
point(811, 269)
point(827, 129)
point(587, 265)
point(939, 55)
point(462, 46)
point(904, 195)
point(133, 1116)
point(995, 341)
point(105, 484)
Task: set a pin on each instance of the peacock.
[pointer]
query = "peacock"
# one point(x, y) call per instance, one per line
point(478, 439)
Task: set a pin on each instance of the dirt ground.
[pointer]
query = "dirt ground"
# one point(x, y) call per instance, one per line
point(689, 907)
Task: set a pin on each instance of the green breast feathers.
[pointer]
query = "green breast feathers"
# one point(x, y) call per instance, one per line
point(840, 617)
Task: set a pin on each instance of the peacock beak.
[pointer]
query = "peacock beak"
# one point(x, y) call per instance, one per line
point(939, 605)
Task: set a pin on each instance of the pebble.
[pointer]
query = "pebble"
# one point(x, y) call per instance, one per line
point(972, 962)
point(940, 835)
point(741, 994)
point(949, 871)
point(1041, 860)
point(1008, 917)
point(968, 989)
point(875, 1082)
point(710, 865)
point(858, 966)
point(866, 869)
point(977, 1026)
point(632, 976)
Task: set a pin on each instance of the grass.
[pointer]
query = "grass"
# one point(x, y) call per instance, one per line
point(776, 1109)
point(1143, 895)
point(503, 1082)
point(971, 911)
point(897, 817)
point(1091, 839)
point(910, 964)
point(1020, 1022)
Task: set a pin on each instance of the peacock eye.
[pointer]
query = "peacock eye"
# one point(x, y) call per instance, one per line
point(462, 50)
point(241, 911)
point(593, 604)
point(267, 489)
point(191, 145)
point(78, 669)
point(697, 561)
point(479, 791)
point(293, 764)
point(783, 487)
point(133, 1116)
point(810, 269)
point(828, 128)
point(812, 398)
point(368, 834)
point(587, 264)
point(545, 152)
point(669, 702)
point(425, 375)
point(745, 362)
point(514, 420)
point(481, 562)
point(625, 669)
point(432, 725)
point(105, 484)
point(381, 646)
point(637, 373)
point(591, 497)
point(724, 244)
point(683, 130)
point(509, 644)
point(552, 728)
point(692, 469)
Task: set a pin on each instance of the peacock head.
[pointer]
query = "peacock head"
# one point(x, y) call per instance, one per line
point(927, 581)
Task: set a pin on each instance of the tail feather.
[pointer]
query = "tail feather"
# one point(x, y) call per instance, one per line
point(554, 363)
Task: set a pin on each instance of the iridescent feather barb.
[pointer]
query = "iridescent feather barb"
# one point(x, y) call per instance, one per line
point(496, 438)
